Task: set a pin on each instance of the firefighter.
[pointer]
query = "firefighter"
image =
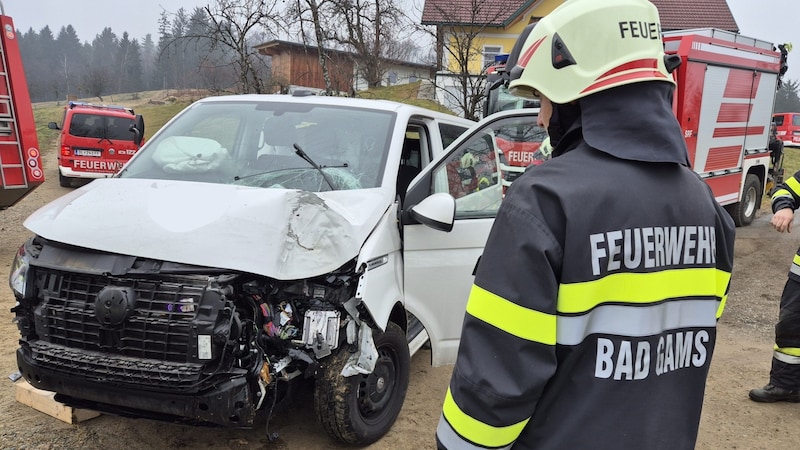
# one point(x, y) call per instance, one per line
point(592, 319)
point(784, 376)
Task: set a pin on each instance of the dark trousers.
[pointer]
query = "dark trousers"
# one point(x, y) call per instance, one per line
point(785, 371)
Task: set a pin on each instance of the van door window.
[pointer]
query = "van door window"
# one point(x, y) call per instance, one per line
point(471, 176)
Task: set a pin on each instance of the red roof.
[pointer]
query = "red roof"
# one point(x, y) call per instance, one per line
point(495, 13)
point(675, 14)
point(684, 14)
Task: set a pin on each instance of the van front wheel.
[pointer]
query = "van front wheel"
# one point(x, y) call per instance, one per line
point(360, 409)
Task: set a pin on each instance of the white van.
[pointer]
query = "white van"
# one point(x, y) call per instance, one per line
point(256, 241)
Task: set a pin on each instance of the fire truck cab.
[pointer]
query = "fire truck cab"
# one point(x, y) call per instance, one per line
point(96, 140)
point(20, 159)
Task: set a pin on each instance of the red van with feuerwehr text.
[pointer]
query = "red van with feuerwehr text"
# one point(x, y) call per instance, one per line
point(96, 140)
point(787, 125)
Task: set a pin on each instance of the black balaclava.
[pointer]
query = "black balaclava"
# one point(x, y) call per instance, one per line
point(564, 116)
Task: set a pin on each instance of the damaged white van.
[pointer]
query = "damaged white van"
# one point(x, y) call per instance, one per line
point(256, 241)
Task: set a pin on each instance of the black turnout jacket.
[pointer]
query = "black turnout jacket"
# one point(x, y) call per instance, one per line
point(592, 319)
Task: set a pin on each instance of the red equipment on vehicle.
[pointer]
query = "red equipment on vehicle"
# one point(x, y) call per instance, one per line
point(20, 159)
point(727, 84)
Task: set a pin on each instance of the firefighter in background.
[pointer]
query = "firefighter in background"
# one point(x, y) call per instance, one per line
point(784, 376)
point(592, 320)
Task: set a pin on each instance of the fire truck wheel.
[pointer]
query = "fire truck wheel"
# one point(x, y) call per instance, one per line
point(745, 210)
point(360, 409)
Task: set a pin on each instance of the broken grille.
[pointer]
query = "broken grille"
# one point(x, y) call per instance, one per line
point(160, 327)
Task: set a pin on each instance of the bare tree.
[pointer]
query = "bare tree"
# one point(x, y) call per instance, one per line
point(228, 37)
point(318, 13)
point(459, 45)
point(96, 81)
point(236, 25)
point(370, 28)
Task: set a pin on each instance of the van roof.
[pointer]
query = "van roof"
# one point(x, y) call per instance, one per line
point(125, 109)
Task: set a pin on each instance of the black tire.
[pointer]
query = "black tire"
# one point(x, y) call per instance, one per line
point(360, 409)
point(64, 181)
point(744, 211)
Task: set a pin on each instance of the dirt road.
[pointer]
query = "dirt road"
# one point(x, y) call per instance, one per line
point(730, 420)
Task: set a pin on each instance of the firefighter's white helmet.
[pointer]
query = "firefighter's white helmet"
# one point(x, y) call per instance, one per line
point(586, 46)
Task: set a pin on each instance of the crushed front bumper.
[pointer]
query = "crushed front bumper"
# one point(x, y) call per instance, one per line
point(226, 401)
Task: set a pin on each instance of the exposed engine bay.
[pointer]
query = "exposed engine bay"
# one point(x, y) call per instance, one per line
point(156, 331)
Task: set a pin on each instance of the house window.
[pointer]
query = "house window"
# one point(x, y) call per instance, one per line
point(412, 78)
point(392, 78)
point(489, 52)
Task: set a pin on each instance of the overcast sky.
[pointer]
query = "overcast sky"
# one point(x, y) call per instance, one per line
point(89, 17)
point(770, 20)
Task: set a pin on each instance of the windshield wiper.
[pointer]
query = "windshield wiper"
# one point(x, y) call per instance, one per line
point(250, 175)
point(299, 151)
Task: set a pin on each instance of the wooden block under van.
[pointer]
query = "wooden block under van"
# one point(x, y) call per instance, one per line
point(45, 402)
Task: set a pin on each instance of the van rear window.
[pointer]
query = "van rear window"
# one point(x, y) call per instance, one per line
point(101, 127)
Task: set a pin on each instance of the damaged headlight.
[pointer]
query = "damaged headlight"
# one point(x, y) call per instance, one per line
point(18, 279)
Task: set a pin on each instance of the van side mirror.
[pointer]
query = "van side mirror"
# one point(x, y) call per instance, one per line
point(437, 211)
point(137, 128)
point(53, 126)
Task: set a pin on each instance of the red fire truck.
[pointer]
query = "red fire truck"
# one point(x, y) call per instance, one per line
point(20, 159)
point(727, 85)
point(726, 91)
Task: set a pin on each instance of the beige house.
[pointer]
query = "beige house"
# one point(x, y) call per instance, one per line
point(496, 24)
point(490, 28)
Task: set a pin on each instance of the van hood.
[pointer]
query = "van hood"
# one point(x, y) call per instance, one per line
point(283, 234)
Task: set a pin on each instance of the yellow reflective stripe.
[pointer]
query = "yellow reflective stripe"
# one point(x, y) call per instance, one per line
point(514, 319)
point(791, 351)
point(476, 431)
point(722, 304)
point(640, 288)
point(796, 260)
point(723, 281)
point(793, 185)
point(780, 193)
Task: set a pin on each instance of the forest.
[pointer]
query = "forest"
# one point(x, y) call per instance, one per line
point(58, 64)
point(212, 47)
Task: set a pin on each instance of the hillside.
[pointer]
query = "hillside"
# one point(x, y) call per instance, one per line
point(158, 107)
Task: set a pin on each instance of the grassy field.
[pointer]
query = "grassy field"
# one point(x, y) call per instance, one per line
point(791, 160)
point(157, 107)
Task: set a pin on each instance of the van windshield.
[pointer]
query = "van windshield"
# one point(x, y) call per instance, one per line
point(101, 127)
point(254, 143)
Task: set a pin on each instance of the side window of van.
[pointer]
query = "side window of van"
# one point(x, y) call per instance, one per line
point(796, 120)
point(778, 119)
point(450, 133)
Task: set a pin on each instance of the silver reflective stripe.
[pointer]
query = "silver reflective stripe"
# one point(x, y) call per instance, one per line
point(636, 321)
point(795, 269)
point(788, 359)
point(451, 440)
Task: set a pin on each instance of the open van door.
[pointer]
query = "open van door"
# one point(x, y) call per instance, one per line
point(449, 210)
